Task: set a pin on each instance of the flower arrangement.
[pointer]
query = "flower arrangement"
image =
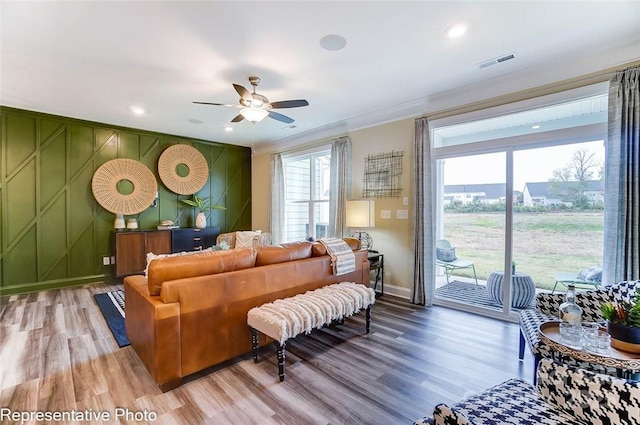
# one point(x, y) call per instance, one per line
point(626, 314)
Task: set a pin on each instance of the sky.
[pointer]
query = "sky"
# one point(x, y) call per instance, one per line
point(532, 165)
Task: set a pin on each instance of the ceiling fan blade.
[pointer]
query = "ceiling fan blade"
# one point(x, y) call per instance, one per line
point(244, 93)
point(217, 104)
point(283, 118)
point(237, 118)
point(289, 104)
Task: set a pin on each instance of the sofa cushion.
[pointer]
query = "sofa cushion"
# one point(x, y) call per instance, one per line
point(589, 397)
point(165, 269)
point(151, 256)
point(274, 254)
point(511, 402)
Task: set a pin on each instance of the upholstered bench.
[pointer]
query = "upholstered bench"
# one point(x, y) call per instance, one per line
point(564, 395)
point(289, 317)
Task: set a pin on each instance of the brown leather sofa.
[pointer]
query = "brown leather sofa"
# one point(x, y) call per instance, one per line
point(190, 313)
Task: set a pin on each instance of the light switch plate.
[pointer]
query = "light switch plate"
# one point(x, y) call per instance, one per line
point(405, 200)
point(105, 261)
point(402, 214)
point(385, 214)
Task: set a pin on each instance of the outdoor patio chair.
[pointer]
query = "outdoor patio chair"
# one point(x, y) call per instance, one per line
point(446, 258)
point(591, 276)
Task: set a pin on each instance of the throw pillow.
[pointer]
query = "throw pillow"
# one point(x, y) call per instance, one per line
point(244, 239)
point(446, 254)
point(593, 273)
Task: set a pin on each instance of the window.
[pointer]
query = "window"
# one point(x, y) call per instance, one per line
point(307, 179)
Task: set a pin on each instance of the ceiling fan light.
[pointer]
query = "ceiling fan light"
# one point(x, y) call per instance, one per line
point(254, 115)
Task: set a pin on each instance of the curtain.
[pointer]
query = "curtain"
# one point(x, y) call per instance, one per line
point(622, 187)
point(423, 264)
point(340, 186)
point(276, 211)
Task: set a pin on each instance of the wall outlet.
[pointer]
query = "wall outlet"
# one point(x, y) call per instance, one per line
point(405, 200)
point(105, 261)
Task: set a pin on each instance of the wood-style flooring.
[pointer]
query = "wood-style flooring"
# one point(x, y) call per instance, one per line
point(57, 354)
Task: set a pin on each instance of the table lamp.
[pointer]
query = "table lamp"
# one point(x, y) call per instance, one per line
point(361, 213)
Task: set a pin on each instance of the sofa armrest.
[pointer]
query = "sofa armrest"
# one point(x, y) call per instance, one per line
point(588, 396)
point(445, 415)
point(153, 328)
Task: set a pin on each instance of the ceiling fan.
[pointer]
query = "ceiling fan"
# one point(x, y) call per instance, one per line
point(255, 107)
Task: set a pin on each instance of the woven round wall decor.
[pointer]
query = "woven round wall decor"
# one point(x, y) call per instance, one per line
point(104, 185)
point(198, 174)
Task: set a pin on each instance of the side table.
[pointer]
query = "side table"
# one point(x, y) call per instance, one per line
point(523, 289)
point(627, 364)
point(376, 262)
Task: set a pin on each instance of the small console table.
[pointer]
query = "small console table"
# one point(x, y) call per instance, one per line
point(376, 262)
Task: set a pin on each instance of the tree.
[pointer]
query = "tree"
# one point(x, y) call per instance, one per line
point(583, 164)
point(580, 170)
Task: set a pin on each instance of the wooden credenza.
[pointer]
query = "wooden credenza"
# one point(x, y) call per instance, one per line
point(131, 247)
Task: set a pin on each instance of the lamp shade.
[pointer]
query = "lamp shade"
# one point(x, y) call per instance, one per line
point(361, 213)
point(254, 114)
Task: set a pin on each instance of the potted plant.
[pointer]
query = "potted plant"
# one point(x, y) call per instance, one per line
point(623, 323)
point(201, 205)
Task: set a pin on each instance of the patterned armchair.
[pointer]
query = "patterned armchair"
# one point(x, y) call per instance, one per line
point(565, 395)
point(547, 311)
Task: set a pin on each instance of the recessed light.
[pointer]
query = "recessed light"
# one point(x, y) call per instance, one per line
point(456, 30)
point(137, 110)
point(195, 121)
point(333, 42)
point(228, 128)
point(535, 126)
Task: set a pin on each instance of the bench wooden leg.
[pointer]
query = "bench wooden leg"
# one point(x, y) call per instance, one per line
point(368, 318)
point(281, 348)
point(254, 344)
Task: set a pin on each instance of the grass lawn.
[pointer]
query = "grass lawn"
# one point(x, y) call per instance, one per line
point(543, 243)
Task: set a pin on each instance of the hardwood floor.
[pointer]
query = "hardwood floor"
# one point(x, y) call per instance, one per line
point(57, 354)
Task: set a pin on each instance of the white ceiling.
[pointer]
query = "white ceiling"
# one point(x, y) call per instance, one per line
point(93, 60)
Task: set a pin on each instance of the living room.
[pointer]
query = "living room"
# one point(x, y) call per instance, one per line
point(56, 238)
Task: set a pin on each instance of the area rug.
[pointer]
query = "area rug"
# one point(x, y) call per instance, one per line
point(470, 293)
point(111, 305)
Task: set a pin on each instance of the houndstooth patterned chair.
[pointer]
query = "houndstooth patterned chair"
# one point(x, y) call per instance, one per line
point(547, 311)
point(564, 396)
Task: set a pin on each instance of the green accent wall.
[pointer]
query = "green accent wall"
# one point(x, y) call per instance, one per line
point(53, 233)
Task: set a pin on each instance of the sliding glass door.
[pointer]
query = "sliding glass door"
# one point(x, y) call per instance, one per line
point(520, 201)
point(472, 223)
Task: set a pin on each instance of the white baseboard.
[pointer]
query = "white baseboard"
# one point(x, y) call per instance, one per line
point(398, 291)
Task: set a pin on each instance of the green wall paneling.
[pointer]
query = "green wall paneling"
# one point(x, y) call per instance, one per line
point(52, 231)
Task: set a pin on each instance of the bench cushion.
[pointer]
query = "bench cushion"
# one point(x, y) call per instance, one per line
point(289, 317)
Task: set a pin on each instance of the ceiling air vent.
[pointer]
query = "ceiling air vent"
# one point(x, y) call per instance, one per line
point(496, 61)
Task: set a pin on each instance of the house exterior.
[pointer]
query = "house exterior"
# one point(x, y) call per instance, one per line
point(465, 194)
point(561, 193)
